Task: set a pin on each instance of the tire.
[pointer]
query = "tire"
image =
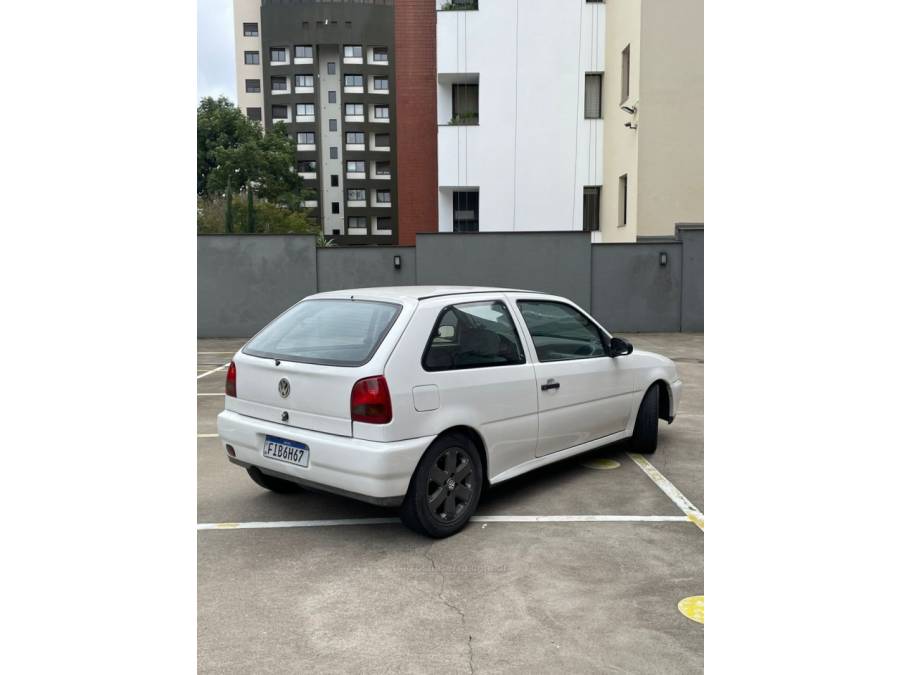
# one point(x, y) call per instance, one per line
point(271, 483)
point(431, 507)
point(646, 425)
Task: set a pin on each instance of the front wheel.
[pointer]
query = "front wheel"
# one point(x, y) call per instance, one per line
point(646, 426)
point(445, 488)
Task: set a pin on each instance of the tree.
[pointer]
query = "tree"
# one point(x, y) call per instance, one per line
point(229, 213)
point(251, 213)
point(231, 146)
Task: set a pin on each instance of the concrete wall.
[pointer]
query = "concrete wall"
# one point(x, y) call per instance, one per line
point(365, 267)
point(245, 281)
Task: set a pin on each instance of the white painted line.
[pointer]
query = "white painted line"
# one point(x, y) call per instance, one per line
point(475, 519)
point(207, 435)
point(224, 365)
point(210, 394)
point(231, 352)
point(692, 512)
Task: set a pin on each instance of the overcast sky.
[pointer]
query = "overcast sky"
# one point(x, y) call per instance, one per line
point(215, 49)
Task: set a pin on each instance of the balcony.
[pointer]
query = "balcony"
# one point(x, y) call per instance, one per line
point(458, 99)
point(457, 5)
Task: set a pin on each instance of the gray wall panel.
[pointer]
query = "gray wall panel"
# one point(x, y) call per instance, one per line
point(364, 267)
point(554, 262)
point(691, 237)
point(243, 282)
point(631, 291)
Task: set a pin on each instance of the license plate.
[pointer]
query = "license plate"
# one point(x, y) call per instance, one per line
point(283, 450)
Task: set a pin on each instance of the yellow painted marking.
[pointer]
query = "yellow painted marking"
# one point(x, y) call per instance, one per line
point(692, 608)
point(692, 512)
point(601, 463)
point(696, 520)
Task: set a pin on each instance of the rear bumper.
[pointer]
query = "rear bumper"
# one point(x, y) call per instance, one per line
point(373, 472)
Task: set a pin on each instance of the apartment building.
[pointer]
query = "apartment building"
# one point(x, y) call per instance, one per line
point(483, 115)
point(653, 116)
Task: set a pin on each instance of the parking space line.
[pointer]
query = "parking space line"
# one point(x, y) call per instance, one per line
point(475, 519)
point(215, 393)
point(216, 352)
point(224, 365)
point(692, 513)
point(207, 435)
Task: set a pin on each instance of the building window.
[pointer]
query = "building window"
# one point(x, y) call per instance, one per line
point(254, 114)
point(303, 81)
point(353, 109)
point(332, 152)
point(465, 211)
point(306, 166)
point(382, 196)
point(332, 125)
point(623, 200)
point(279, 84)
point(306, 110)
point(382, 168)
point(251, 30)
point(593, 89)
point(335, 207)
point(279, 112)
point(334, 180)
point(382, 112)
point(303, 52)
point(306, 138)
point(332, 68)
point(383, 223)
point(382, 140)
point(251, 58)
point(626, 72)
point(460, 5)
point(353, 80)
point(356, 222)
point(355, 138)
point(356, 167)
point(352, 51)
point(590, 219)
point(332, 97)
point(380, 54)
point(380, 84)
point(356, 195)
point(465, 104)
point(278, 54)
point(252, 86)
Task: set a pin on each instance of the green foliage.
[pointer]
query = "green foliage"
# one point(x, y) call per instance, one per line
point(268, 218)
point(251, 213)
point(229, 210)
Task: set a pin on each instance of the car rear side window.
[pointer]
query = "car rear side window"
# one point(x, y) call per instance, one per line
point(560, 332)
point(328, 332)
point(473, 335)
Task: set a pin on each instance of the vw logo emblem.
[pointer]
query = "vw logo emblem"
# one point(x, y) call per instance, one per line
point(284, 388)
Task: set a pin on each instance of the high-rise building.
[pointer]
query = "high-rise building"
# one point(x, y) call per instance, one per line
point(483, 115)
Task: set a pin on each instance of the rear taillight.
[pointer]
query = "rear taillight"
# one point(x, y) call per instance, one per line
point(370, 401)
point(231, 381)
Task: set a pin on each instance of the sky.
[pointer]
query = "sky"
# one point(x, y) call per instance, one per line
point(215, 49)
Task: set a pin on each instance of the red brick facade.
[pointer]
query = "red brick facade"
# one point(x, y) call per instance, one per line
point(415, 71)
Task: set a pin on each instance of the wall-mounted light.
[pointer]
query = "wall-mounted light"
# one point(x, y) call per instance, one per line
point(663, 259)
point(397, 262)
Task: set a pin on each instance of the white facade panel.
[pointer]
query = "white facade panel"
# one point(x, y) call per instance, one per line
point(532, 151)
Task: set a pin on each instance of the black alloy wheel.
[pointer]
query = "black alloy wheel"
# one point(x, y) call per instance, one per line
point(445, 489)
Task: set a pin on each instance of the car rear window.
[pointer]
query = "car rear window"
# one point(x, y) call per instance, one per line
point(328, 332)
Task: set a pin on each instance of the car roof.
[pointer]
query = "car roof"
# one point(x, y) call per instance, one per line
point(412, 293)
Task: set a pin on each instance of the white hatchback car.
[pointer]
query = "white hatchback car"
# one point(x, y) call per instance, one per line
point(421, 396)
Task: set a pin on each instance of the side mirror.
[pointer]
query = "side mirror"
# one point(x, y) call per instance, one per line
point(620, 347)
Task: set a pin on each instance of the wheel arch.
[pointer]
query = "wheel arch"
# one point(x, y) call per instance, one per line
point(473, 435)
point(665, 399)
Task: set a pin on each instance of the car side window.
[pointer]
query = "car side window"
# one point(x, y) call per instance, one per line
point(560, 332)
point(473, 335)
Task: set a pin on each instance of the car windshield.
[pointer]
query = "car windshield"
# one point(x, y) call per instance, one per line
point(328, 332)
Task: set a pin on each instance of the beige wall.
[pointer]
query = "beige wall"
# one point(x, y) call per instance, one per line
point(620, 144)
point(664, 156)
point(670, 159)
point(247, 10)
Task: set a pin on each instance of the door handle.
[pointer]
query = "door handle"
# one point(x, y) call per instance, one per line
point(551, 384)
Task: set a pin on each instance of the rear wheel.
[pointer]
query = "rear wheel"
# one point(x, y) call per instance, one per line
point(646, 426)
point(272, 483)
point(445, 488)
